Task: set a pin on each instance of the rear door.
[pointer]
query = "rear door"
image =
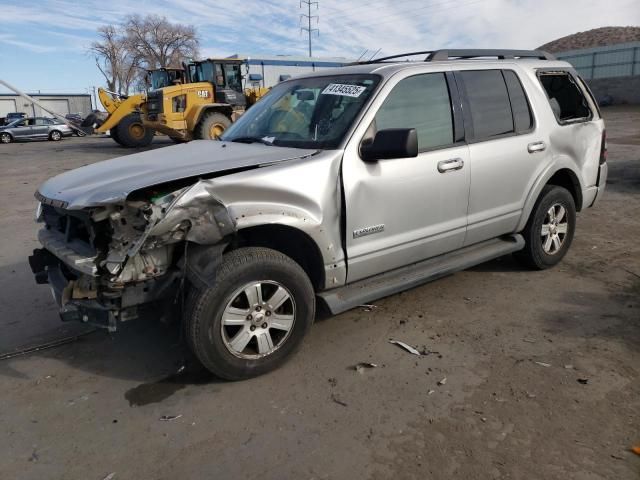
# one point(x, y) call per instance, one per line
point(506, 151)
point(40, 128)
point(403, 210)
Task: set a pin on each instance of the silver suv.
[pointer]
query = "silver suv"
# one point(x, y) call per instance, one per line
point(34, 128)
point(340, 187)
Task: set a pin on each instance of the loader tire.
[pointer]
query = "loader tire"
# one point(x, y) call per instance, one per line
point(211, 126)
point(131, 132)
point(113, 133)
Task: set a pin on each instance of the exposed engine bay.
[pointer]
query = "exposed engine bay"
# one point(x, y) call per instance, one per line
point(91, 255)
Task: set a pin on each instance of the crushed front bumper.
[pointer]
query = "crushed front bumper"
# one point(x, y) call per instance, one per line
point(103, 308)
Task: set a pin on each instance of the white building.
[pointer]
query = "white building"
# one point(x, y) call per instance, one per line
point(60, 103)
point(275, 69)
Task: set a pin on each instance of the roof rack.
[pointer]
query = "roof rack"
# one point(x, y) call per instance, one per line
point(457, 54)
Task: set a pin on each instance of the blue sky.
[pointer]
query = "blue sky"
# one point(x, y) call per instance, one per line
point(43, 43)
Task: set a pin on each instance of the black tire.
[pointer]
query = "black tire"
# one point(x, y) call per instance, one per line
point(89, 121)
point(113, 133)
point(205, 308)
point(534, 255)
point(132, 133)
point(5, 137)
point(55, 135)
point(209, 123)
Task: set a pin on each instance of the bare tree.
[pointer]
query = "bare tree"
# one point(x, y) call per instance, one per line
point(116, 62)
point(158, 42)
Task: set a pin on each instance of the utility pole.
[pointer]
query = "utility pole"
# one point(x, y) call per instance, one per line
point(309, 18)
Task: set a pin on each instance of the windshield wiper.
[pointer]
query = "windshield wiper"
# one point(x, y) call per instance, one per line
point(264, 140)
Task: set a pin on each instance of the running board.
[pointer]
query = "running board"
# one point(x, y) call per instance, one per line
point(363, 291)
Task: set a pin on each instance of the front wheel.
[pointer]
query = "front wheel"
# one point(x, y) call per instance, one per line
point(549, 231)
point(131, 132)
point(254, 316)
point(212, 125)
point(5, 138)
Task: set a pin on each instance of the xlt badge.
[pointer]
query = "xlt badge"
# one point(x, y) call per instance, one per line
point(361, 232)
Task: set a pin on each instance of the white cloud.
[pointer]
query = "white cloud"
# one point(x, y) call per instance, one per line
point(346, 29)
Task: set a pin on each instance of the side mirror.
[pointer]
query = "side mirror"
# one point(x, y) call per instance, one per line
point(391, 143)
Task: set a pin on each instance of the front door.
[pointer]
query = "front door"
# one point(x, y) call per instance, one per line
point(21, 129)
point(400, 211)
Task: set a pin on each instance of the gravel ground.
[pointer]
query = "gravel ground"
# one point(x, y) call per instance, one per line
point(542, 369)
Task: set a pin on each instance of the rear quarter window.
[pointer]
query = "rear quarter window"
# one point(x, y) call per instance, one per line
point(566, 99)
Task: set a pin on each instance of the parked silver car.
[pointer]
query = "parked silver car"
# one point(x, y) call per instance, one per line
point(34, 128)
point(342, 187)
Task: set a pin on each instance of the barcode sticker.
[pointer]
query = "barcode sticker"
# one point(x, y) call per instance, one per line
point(343, 90)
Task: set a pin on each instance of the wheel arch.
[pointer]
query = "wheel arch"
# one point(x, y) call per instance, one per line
point(290, 241)
point(224, 108)
point(8, 133)
point(563, 177)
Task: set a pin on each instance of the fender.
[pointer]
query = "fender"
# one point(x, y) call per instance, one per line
point(559, 163)
point(303, 193)
point(200, 110)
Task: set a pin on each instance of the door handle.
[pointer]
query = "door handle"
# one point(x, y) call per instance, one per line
point(445, 166)
point(536, 147)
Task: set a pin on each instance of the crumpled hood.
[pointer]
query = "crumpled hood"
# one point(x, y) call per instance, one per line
point(111, 181)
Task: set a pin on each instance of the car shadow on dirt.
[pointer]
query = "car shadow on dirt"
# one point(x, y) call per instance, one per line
point(607, 316)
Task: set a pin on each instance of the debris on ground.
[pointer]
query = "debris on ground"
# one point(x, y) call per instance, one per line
point(169, 418)
point(529, 340)
point(636, 449)
point(583, 381)
point(543, 364)
point(335, 399)
point(408, 348)
point(368, 308)
point(568, 366)
point(362, 366)
point(111, 476)
point(443, 381)
point(333, 381)
point(431, 392)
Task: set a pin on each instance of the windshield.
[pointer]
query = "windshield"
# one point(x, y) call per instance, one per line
point(305, 113)
point(159, 79)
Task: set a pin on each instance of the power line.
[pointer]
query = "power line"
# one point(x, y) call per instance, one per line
point(309, 18)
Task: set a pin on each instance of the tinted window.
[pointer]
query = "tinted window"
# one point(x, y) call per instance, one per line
point(566, 99)
point(420, 102)
point(488, 103)
point(42, 121)
point(522, 117)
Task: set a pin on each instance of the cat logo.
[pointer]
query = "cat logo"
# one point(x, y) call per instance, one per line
point(203, 93)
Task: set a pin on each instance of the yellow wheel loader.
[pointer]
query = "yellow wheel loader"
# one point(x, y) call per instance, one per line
point(209, 100)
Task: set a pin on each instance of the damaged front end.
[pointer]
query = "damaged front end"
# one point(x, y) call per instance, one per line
point(113, 263)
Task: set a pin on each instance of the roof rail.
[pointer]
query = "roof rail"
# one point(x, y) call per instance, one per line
point(457, 54)
point(498, 53)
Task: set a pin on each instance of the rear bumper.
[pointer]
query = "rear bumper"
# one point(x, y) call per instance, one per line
point(101, 307)
point(603, 172)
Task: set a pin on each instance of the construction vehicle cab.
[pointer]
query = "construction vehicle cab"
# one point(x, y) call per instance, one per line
point(165, 77)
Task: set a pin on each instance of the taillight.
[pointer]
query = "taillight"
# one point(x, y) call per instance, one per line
point(603, 148)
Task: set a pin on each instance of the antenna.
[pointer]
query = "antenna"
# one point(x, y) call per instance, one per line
point(309, 18)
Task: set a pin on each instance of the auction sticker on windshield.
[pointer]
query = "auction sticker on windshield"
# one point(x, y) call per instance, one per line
point(343, 90)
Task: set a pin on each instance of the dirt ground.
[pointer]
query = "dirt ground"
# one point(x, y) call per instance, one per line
point(542, 369)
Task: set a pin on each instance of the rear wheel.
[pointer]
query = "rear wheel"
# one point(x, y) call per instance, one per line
point(212, 125)
point(254, 316)
point(549, 231)
point(5, 137)
point(131, 132)
point(55, 136)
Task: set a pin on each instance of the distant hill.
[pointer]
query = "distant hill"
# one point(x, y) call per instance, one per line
point(598, 37)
